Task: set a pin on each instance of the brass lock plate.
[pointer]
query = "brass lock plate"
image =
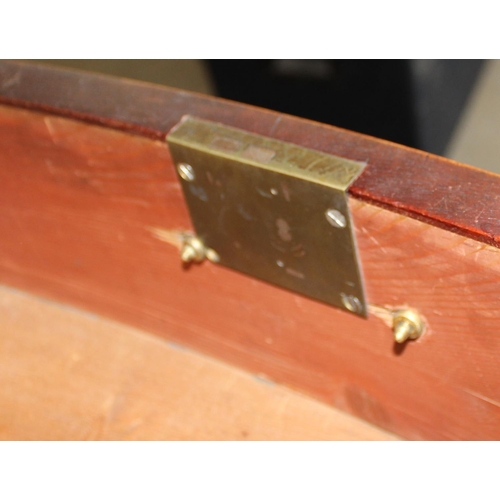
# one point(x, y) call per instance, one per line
point(271, 209)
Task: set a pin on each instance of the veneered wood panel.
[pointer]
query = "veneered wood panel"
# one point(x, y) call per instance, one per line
point(91, 216)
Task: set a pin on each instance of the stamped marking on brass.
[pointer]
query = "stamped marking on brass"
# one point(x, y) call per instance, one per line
point(260, 206)
point(225, 144)
point(262, 155)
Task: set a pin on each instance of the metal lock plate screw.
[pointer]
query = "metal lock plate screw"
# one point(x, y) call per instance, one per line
point(186, 172)
point(351, 303)
point(335, 218)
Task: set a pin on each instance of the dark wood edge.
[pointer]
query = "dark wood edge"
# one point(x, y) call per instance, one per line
point(435, 190)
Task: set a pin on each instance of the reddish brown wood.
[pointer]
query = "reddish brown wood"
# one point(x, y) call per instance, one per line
point(89, 217)
point(69, 375)
point(417, 184)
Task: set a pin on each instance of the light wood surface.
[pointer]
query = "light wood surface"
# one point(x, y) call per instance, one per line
point(86, 210)
point(69, 375)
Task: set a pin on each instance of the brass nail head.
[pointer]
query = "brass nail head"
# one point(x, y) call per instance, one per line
point(407, 325)
point(188, 253)
point(212, 255)
point(193, 250)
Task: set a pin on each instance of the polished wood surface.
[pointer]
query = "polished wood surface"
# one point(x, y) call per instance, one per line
point(68, 375)
point(432, 189)
point(93, 216)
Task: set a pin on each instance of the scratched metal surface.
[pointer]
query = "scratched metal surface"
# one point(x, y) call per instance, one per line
point(263, 205)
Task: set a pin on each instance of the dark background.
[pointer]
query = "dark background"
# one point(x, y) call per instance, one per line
point(411, 102)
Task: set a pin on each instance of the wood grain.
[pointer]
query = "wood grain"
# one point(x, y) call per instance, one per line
point(67, 375)
point(423, 186)
point(86, 210)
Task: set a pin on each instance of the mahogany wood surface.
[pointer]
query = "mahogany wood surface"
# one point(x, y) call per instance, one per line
point(70, 375)
point(435, 190)
point(91, 217)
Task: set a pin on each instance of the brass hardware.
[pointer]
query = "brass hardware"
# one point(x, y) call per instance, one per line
point(193, 250)
point(350, 302)
point(260, 205)
point(407, 324)
point(212, 255)
point(186, 171)
point(335, 218)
